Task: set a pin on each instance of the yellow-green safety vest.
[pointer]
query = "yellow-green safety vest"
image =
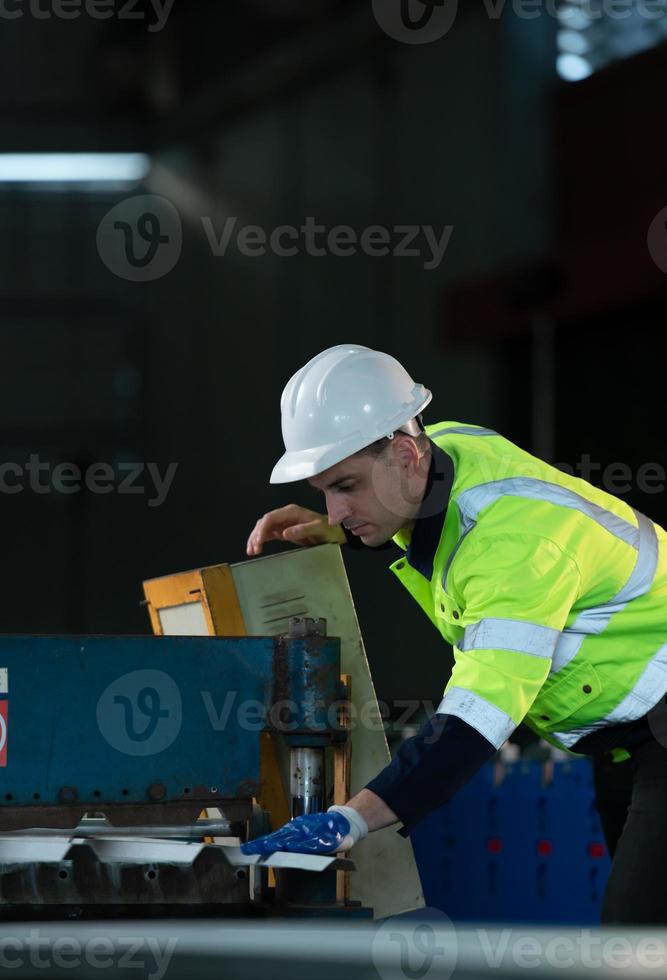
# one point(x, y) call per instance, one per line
point(552, 592)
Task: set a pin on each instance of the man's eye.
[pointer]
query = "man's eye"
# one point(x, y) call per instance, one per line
point(346, 487)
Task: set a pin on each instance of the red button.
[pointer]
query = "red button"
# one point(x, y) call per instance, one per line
point(544, 848)
point(596, 850)
point(494, 845)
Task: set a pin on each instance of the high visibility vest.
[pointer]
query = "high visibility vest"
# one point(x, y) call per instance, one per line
point(553, 594)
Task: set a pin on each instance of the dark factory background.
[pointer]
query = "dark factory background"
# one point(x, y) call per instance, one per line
point(540, 143)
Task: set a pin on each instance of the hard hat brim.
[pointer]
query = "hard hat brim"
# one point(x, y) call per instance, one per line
point(303, 464)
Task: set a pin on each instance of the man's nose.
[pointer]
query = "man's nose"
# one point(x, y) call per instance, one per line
point(337, 511)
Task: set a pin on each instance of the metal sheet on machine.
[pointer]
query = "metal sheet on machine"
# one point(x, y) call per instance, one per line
point(135, 851)
point(22, 849)
point(290, 859)
point(32, 850)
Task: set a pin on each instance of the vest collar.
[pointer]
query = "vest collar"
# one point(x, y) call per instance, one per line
point(431, 516)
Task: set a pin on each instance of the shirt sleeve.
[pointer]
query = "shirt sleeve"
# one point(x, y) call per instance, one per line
point(515, 593)
point(429, 768)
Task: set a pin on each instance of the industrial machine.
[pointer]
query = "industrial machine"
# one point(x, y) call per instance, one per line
point(258, 598)
point(132, 768)
point(111, 748)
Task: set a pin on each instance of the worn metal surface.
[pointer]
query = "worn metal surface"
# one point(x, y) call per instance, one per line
point(133, 732)
point(71, 872)
point(96, 721)
point(118, 814)
point(307, 781)
point(306, 626)
point(306, 688)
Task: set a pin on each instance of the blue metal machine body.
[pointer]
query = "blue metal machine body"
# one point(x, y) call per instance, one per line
point(148, 731)
point(307, 688)
point(517, 849)
point(131, 720)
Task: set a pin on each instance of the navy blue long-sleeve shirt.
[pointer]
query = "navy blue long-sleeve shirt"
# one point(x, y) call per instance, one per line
point(430, 768)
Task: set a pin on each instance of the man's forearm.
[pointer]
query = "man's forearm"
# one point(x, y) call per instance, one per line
point(375, 811)
point(427, 770)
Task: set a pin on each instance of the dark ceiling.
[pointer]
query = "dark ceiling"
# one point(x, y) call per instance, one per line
point(157, 74)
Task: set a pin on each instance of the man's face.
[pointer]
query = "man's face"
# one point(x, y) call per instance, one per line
point(373, 496)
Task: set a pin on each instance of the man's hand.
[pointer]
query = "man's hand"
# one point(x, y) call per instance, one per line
point(316, 833)
point(296, 525)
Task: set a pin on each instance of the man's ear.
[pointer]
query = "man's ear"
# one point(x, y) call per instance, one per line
point(406, 452)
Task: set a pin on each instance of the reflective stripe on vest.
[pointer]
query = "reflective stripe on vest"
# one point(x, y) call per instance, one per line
point(472, 501)
point(596, 619)
point(643, 538)
point(464, 430)
point(649, 689)
point(510, 634)
point(490, 721)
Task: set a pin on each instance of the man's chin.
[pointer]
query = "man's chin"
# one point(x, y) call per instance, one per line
point(373, 537)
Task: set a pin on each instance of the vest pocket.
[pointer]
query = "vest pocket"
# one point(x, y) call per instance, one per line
point(563, 696)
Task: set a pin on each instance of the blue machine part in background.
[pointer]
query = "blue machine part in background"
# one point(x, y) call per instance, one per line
point(518, 851)
point(99, 719)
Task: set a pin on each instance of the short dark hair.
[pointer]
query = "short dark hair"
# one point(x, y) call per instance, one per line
point(378, 447)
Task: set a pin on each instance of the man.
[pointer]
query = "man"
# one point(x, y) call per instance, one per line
point(552, 593)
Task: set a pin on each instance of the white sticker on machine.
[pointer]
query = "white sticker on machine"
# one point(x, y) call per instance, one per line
point(4, 680)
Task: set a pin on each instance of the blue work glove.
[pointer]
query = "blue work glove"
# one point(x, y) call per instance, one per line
point(315, 833)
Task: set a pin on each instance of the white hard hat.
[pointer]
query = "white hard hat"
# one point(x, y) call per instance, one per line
point(342, 400)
